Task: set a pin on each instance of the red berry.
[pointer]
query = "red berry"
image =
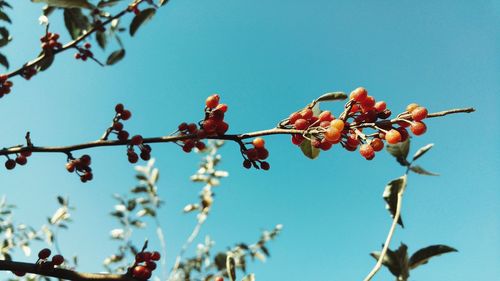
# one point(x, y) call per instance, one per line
point(85, 160)
point(418, 128)
point(265, 166)
point(151, 265)
point(21, 160)
point(325, 145)
point(57, 259)
point(212, 101)
point(332, 134)
point(155, 256)
point(44, 253)
point(262, 153)
point(87, 45)
point(352, 141)
point(141, 272)
point(139, 257)
point(70, 166)
point(380, 106)
point(209, 125)
point(301, 124)
point(145, 155)
point(136, 140)
point(247, 164)
point(411, 107)
point(366, 150)
point(368, 102)
point(192, 128)
point(10, 164)
point(419, 113)
point(325, 124)
point(123, 135)
point(201, 134)
point(294, 117)
point(222, 107)
point(187, 149)
point(297, 139)
point(258, 142)
point(359, 94)
point(219, 278)
point(217, 115)
point(222, 128)
point(183, 126)
point(126, 114)
point(377, 144)
point(200, 145)
point(393, 136)
point(118, 126)
point(119, 108)
point(307, 113)
point(133, 157)
point(252, 154)
point(325, 116)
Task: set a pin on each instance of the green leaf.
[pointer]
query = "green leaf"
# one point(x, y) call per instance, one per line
point(390, 195)
point(231, 268)
point(108, 3)
point(423, 255)
point(5, 36)
point(101, 39)
point(334, 96)
point(115, 57)
point(422, 151)
point(310, 151)
point(421, 171)
point(400, 151)
point(76, 22)
point(4, 61)
point(5, 17)
point(141, 18)
point(67, 3)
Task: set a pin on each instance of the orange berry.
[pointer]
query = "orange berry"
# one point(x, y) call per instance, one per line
point(418, 128)
point(359, 94)
point(393, 136)
point(332, 134)
point(411, 107)
point(338, 124)
point(258, 142)
point(419, 113)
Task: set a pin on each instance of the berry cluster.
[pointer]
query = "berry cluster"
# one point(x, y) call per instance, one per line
point(28, 72)
point(256, 155)
point(81, 166)
point(144, 265)
point(362, 111)
point(21, 159)
point(5, 85)
point(84, 53)
point(49, 41)
point(145, 149)
point(189, 144)
point(43, 261)
point(212, 125)
point(117, 127)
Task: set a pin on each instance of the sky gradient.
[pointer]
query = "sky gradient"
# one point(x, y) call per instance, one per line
point(267, 59)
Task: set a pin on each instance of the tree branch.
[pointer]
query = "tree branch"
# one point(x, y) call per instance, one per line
point(70, 44)
point(60, 273)
point(164, 139)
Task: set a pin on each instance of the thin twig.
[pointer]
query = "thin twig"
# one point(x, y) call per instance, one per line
point(60, 272)
point(186, 245)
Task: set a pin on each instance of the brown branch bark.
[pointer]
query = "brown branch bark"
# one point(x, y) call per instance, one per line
point(165, 139)
point(60, 273)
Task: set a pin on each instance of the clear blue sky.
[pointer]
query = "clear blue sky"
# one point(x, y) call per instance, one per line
point(266, 59)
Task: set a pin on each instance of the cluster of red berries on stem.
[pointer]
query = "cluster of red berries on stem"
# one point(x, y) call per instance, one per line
point(361, 111)
point(21, 159)
point(44, 262)
point(256, 155)
point(144, 265)
point(50, 42)
point(117, 127)
point(84, 53)
point(145, 149)
point(81, 166)
point(5, 85)
point(212, 125)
